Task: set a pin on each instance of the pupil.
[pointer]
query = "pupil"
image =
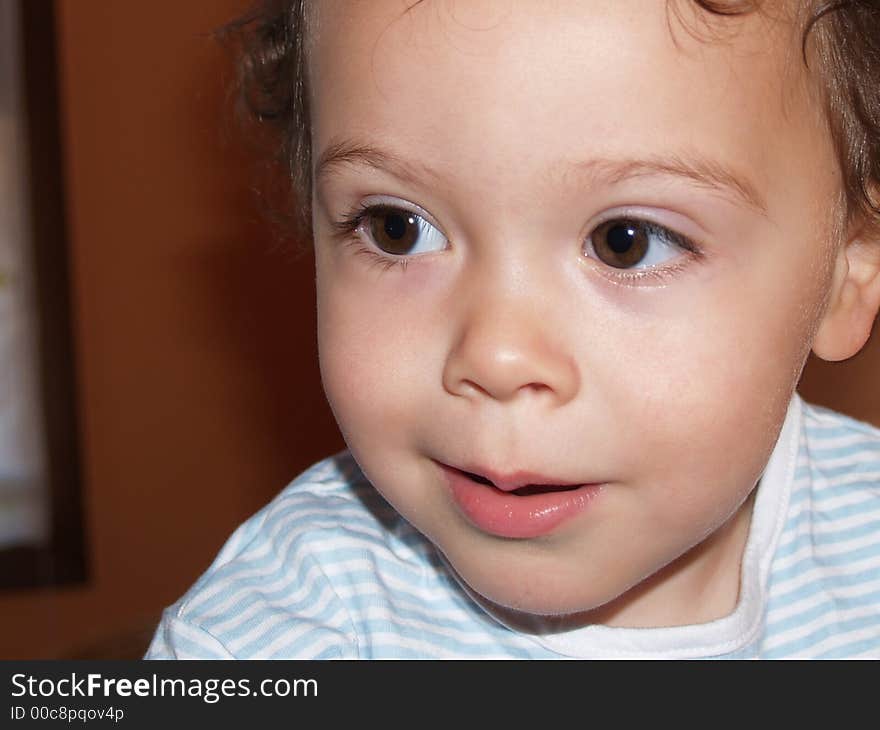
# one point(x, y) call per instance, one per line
point(395, 226)
point(395, 232)
point(621, 238)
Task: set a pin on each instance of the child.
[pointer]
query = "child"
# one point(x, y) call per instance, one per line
point(571, 258)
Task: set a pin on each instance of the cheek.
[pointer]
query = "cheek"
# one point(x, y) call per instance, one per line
point(716, 380)
point(374, 364)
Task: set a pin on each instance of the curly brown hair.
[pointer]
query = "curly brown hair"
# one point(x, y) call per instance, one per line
point(845, 37)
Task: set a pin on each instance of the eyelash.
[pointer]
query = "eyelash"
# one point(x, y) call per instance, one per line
point(658, 273)
point(345, 229)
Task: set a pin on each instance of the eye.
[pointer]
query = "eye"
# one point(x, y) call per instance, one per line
point(626, 243)
point(400, 232)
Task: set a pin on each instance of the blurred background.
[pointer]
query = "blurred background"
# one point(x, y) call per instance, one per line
point(158, 371)
point(190, 383)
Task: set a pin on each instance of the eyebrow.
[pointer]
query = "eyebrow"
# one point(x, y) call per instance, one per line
point(706, 173)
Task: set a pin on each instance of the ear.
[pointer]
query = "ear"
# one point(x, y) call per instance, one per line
point(854, 300)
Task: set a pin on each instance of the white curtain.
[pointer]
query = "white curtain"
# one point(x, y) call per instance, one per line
point(23, 495)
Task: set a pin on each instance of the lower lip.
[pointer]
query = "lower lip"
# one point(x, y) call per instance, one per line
point(509, 515)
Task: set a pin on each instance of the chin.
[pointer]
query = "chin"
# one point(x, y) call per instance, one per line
point(521, 594)
point(545, 606)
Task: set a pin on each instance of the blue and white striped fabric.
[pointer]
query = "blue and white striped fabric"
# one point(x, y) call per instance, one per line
point(825, 577)
point(329, 570)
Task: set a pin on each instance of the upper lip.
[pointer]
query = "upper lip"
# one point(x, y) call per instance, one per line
point(517, 479)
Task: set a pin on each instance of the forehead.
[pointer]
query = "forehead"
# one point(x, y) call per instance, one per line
point(499, 89)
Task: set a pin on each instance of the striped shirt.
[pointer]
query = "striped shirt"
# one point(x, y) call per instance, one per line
point(329, 570)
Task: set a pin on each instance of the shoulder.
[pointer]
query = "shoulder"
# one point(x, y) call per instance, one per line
point(819, 418)
point(825, 576)
point(840, 450)
point(837, 478)
point(330, 499)
point(273, 589)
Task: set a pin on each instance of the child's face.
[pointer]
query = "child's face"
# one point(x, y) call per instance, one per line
point(545, 323)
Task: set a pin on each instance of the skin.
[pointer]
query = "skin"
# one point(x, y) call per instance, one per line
point(509, 344)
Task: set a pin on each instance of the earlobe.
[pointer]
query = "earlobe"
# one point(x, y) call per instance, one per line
point(853, 302)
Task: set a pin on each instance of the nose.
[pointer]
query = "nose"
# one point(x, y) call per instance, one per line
point(506, 350)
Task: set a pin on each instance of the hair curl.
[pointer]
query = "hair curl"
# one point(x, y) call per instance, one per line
point(273, 92)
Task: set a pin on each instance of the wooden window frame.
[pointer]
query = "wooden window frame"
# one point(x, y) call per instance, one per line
point(62, 560)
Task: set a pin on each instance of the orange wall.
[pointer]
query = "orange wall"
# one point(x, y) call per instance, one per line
point(199, 391)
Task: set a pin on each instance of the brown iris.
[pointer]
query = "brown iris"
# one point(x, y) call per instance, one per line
point(394, 231)
point(620, 243)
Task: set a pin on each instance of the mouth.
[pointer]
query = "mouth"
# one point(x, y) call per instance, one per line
point(518, 505)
